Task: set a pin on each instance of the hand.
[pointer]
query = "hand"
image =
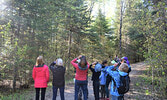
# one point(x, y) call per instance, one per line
point(115, 65)
point(79, 56)
point(94, 63)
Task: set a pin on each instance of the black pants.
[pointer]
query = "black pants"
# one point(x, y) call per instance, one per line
point(96, 85)
point(42, 93)
point(108, 80)
point(102, 91)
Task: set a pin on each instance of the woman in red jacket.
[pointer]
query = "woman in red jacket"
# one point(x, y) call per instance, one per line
point(41, 77)
point(81, 75)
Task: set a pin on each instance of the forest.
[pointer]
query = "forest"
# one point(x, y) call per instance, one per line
point(67, 28)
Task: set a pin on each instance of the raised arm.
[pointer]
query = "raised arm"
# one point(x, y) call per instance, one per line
point(92, 69)
point(51, 66)
point(109, 70)
point(73, 63)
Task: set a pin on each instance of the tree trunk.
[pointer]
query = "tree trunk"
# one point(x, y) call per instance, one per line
point(16, 62)
point(120, 30)
point(69, 48)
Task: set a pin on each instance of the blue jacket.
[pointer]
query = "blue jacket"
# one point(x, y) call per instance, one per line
point(116, 76)
point(103, 77)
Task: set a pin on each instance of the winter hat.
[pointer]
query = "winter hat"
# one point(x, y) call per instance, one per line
point(59, 62)
point(126, 59)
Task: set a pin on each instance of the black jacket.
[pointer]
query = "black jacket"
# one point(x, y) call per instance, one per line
point(58, 75)
point(95, 75)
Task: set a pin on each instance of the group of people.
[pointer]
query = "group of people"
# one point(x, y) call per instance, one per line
point(103, 74)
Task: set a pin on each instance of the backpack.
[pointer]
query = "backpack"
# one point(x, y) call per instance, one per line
point(124, 84)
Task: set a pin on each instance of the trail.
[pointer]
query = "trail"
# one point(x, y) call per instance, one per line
point(134, 93)
point(137, 92)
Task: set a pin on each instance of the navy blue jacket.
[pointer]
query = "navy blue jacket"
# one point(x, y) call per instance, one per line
point(95, 75)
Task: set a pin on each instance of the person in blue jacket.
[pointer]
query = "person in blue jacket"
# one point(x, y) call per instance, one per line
point(123, 71)
point(103, 79)
point(125, 59)
point(108, 79)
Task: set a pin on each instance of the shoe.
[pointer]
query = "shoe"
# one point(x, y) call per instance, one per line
point(107, 99)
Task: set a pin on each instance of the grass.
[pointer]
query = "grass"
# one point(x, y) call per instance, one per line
point(26, 94)
point(147, 85)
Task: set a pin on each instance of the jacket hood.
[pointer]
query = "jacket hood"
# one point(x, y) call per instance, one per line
point(40, 65)
point(40, 68)
point(81, 68)
point(122, 73)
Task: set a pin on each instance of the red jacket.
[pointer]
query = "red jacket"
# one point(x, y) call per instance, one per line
point(80, 74)
point(40, 76)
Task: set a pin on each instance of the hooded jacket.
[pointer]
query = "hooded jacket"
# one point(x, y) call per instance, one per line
point(81, 73)
point(103, 77)
point(40, 75)
point(95, 75)
point(116, 76)
point(58, 75)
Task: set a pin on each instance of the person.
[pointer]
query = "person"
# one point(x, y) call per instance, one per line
point(95, 79)
point(58, 82)
point(122, 71)
point(108, 80)
point(125, 60)
point(40, 76)
point(116, 59)
point(103, 79)
point(81, 75)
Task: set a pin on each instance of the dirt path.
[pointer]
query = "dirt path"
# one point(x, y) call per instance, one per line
point(69, 92)
point(135, 93)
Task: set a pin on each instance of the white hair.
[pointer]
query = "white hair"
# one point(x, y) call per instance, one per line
point(59, 62)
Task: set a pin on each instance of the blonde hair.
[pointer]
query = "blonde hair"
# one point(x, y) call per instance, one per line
point(39, 61)
point(124, 67)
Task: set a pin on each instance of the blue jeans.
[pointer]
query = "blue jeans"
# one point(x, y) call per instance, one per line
point(61, 89)
point(83, 86)
point(117, 97)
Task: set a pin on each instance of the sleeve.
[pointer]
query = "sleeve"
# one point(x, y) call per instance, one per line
point(33, 74)
point(109, 70)
point(47, 74)
point(92, 69)
point(88, 64)
point(51, 66)
point(73, 62)
point(101, 75)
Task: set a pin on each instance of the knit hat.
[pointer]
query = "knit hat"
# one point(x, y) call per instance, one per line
point(126, 59)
